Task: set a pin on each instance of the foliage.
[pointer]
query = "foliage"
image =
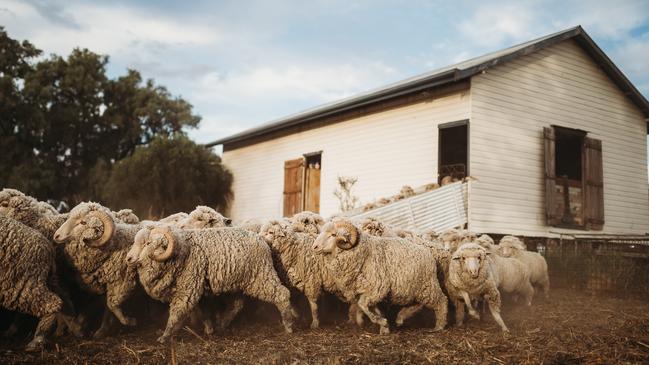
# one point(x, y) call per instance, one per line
point(62, 120)
point(344, 194)
point(169, 175)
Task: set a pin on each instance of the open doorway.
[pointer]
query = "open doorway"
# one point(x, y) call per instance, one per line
point(453, 151)
point(312, 182)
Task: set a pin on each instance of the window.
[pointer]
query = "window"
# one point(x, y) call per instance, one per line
point(574, 179)
point(302, 184)
point(453, 150)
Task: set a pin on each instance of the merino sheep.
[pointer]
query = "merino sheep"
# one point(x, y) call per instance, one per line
point(374, 227)
point(305, 270)
point(450, 239)
point(370, 269)
point(204, 217)
point(511, 246)
point(177, 266)
point(407, 191)
point(174, 218)
point(470, 277)
point(307, 222)
point(252, 225)
point(96, 248)
point(126, 216)
point(27, 278)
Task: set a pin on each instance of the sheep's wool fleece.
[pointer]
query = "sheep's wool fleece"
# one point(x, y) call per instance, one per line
point(461, 280)
point(26, 262)
point(376, 266)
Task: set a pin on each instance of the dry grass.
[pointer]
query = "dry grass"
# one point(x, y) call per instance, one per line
point(569, 328)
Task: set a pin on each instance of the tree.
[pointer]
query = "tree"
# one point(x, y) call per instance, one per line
point(169, 175)
point(347, 200)
point(62, 119)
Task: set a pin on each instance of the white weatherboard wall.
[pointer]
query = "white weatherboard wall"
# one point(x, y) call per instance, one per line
point(512, 103)
point(385, 151)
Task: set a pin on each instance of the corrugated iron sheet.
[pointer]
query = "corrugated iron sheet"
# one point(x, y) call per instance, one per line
point(439, 209)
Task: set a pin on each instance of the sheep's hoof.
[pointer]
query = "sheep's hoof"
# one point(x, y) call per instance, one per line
point(129, 321)
point(288, 329)
point(208, 330)
point(384, 330)
point(315, 325)
point(474, 314)
point(37, 344)
point(100, 333)
point(163, 339)
point(438, 328)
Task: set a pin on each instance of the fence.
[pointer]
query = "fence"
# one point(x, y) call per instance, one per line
point(618, 267)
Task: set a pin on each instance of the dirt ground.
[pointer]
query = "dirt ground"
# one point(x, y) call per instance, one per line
point(569, 328)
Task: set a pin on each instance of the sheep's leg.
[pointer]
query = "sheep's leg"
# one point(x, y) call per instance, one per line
point(545, 285)
point(459, 311)
point(493, 300)
point(472, 312)
point(440, 307)
point(313, 304)
point(528, 293)
point(407, 312)
point(355, 315)
point(179, 310)
point(270, 290)
point(364, 304)
point(45, 305)
point(198, 316)
point(115, 297)
point(230, 312)
point(107, 321)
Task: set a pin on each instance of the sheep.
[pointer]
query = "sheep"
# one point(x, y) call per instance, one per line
point(177, 266)
point(370, 269)
point(407, 191)
point(174, 218)
point(204, 217)
point(27, 267)
point(470, 277)
point(252, 225)
point(96, 248)
point(307, 222)
point(511, 246)
point(126, 216)
point(303, 268)
point(450, 239)
point(431, 187)
point(374, 227)
point(429, 235)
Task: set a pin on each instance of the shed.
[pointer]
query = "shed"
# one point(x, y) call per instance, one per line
point(552, 130)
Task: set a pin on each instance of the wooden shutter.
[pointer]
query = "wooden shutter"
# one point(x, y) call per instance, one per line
point(593, 175)
point(312, 194)
point(293, 184)
point(552, 216)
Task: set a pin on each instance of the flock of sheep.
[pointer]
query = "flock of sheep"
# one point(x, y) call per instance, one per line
point(184, 258)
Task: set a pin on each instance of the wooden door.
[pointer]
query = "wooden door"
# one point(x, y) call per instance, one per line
point(553, 210)
point(312, 188)
point(593, 176)
point(293, 186)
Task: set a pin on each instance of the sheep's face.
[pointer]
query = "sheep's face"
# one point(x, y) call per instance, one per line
point(155, 245)
point(204, 217)
point(275, 233)
point(7, 199)
point(374, 227)
point(89, 223)
point(510, 246)
point(141, 239)
point(471, 258)
point(127, 216)
point(338, 235)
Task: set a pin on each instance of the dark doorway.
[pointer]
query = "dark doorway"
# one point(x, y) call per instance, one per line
point(453, 151)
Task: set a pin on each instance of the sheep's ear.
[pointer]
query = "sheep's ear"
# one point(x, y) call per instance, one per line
point(228, 221)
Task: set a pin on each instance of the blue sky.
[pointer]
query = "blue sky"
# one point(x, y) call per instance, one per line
point(243, 63)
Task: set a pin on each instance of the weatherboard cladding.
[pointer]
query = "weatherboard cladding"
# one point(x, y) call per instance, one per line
point(510, 105)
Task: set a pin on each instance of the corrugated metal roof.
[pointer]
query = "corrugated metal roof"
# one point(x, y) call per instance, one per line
point(439, 209)
point(447, 75)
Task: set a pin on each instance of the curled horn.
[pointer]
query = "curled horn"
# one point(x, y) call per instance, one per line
point(351, 237)
point(109, 228)
point(171, 243)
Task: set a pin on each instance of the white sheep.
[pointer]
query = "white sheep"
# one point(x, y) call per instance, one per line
point(307, 222)
point(96, 248)
point(27, 278)
point(174, 218)
point(303, 268)
point(469, 278)
point(177, 266)
point(126, 216)
point(511, 246)
point(370, 269)
point(204, 217)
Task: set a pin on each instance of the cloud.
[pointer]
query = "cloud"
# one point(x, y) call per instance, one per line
point(106, 29)
point(490, 26)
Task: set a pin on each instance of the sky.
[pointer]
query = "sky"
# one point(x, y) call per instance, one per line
point(243, 63)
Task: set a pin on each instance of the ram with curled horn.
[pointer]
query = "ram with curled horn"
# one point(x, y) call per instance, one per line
point(95, 247)
point(390, 267)
point(180, 266)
